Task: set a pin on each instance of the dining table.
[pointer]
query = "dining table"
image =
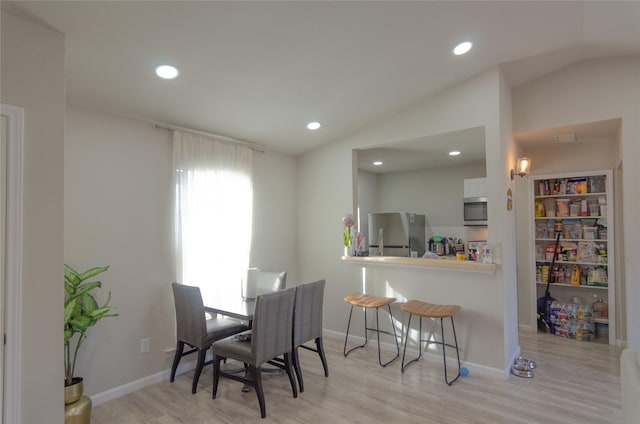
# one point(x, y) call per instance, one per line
point(233, 306)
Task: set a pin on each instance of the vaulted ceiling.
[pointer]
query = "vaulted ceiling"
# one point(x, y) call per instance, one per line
point(259, 71)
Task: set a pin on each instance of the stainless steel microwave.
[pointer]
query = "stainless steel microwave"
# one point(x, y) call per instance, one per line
point(475, 211)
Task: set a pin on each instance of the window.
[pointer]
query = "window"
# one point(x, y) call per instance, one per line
point(213, 213)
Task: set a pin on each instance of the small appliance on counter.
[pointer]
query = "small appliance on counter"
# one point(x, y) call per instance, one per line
point(438, 245)
point(445, 246)
point(456, 245)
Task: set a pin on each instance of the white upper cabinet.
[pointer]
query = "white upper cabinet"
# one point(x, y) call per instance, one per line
point(475, 187)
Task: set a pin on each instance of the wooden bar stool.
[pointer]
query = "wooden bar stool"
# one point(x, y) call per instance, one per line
point(365, 302)
point(428, 310)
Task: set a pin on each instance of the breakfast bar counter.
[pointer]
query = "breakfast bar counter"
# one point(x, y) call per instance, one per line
point(440, 264)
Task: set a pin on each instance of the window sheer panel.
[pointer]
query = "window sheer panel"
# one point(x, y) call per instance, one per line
point(213, 216)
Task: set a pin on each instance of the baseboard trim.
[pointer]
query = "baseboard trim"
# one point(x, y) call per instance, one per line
point(431, 357)
point(127, 388)
point(186, 366)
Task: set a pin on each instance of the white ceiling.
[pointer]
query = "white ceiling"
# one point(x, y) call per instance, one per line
point(606, 131)
point(426, 152)
point(259, 71)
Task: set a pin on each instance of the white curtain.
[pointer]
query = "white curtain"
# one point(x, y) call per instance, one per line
point(213, 213)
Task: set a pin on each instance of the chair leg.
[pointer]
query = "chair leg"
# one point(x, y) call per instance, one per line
point(256, 377)
point(346, 337)
point(297, 368)
point(202, 354)
point(288, 367)
point(216, 375)
point(323, 358)
point(176, 360)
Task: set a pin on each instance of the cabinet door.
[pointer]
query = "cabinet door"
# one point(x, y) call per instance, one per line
point(475, 187)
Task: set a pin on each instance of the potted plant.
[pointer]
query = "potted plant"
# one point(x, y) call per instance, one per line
point(81, 311)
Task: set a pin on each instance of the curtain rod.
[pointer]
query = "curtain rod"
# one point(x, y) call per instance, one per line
point(171, 128)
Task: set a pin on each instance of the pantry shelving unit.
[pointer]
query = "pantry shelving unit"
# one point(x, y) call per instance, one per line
point(584, 201)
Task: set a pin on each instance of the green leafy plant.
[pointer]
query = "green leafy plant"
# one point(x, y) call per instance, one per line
point(81, 311)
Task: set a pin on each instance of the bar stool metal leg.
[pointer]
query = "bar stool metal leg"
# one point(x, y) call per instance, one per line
point(427, 341)
point(406, 340)
point(365, 302)
point(444, 355)
point(378, 331)
point(395, 337)
point(344, 351)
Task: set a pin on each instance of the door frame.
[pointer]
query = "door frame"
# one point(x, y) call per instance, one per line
point(11, 386)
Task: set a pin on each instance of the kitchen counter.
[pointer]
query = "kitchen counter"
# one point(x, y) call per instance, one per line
point(451, 264)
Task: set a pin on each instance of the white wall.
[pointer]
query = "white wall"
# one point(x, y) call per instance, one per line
point(325, 195)
point(367, 200)
point(118, 211)
point(592, 91)
point(275, 218)
point(500, 160)
point(32, 77)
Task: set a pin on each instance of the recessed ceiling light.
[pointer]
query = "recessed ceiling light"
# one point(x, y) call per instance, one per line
point(313, 125)
point(454, 153)
point(167, 71)
point(377, 163)
point(462, 48)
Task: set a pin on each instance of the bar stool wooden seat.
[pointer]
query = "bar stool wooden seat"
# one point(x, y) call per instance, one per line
point(429, 310)
point(366, 301)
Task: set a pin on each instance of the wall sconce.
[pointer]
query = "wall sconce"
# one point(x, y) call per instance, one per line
point(523, 166)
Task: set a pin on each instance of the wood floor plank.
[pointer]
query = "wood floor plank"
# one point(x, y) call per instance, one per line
point(575, 382)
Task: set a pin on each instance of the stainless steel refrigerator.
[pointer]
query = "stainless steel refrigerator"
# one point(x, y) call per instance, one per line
point(396, 234)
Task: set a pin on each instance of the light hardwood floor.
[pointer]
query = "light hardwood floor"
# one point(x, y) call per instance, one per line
point(575, 382)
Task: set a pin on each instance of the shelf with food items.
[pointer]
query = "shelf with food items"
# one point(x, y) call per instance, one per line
point(550, 240)
point(571, 229)
point(592, 276)
point(572, 245)
point(569, 186)
point(586, 252)
point(564, 218)
point(575, 195)
point(569, 285)
point(574, 319)
point(574, 263)
point(567, 207)
point(573, 274)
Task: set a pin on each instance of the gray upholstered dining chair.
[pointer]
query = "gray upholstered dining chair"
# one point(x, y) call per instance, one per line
point(271, 336)
point(193, 329)
point(260, 282)
point(269, 281)
point(307, 324)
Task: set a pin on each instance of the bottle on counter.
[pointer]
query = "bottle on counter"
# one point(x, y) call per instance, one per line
point(487, 254)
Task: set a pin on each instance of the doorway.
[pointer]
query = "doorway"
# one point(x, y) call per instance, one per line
point(595, 148)
point(11, 163)
point(3, 179)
